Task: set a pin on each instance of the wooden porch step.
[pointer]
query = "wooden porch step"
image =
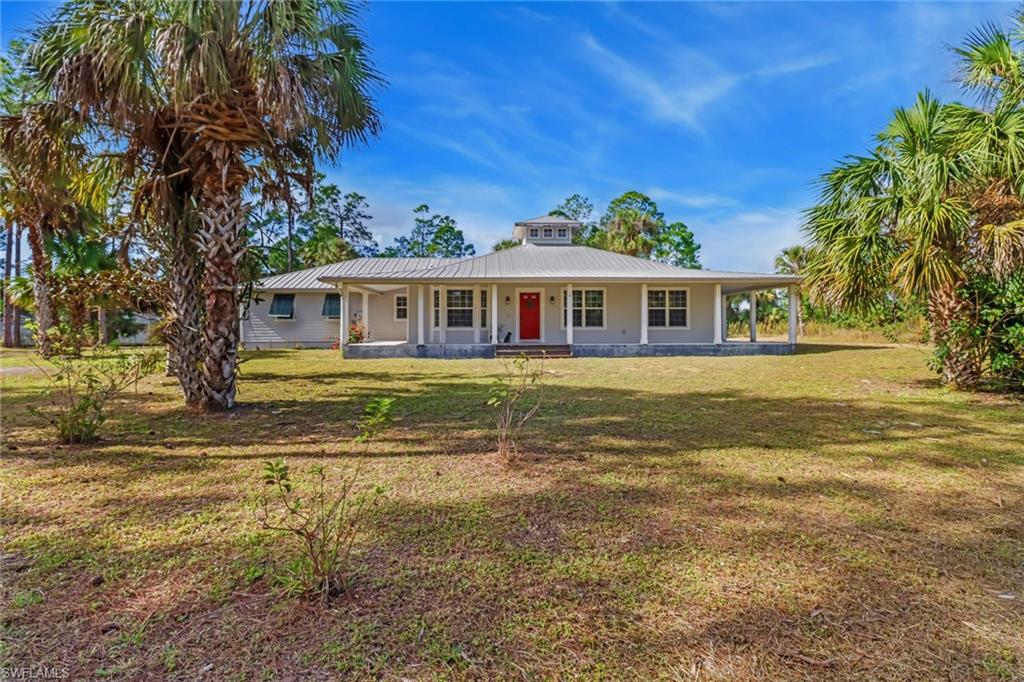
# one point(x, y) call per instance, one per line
point(533, 350)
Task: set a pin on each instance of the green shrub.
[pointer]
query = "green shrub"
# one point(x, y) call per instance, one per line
point(81, 386)
point(323, 517)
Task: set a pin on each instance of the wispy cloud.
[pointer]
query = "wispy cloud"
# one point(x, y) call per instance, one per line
point(747, 240)
point(690, 199)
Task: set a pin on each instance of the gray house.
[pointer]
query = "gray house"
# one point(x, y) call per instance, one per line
point(544, 294)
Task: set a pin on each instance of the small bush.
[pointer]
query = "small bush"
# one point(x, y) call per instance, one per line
point(357, 333)
point(323, 517)
point(516, 395)
point(81, 387)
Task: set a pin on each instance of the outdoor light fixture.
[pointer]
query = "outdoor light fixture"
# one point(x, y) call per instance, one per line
point(552, 300)
point(508, 300)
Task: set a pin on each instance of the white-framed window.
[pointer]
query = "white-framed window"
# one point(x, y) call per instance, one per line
point(483, 308)
point(534, 233)
point(548, 233)
point(563, 232)
point(401, 307)
point(332, 306)
point(460, 308)
point(587, 308)
point(668, 308)
point(437, 308)
point(282, 307)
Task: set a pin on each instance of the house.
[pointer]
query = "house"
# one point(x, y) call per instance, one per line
point(510, 300)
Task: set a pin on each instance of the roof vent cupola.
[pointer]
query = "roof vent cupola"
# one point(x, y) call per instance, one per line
point(547, 230)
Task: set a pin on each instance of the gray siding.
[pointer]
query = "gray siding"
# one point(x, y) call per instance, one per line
point(309, 329)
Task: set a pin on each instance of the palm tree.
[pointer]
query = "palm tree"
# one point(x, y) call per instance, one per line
point(937, 203)
point(792, 260)
point(212, 89)
point(631, 232)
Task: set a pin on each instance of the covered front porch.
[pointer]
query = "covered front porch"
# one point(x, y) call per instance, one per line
point(453, 320)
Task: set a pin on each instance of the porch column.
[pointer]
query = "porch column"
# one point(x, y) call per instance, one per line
point(494, 314)
point(342, 316)
point(567, 313)
point(718, 313)
point(753, 316)
point(443, 322)
point(792, 314)
point(725, 317)
point(366, 313)
point(643, 313)
point(346, 309)
point(476, 314)
point(420, 315)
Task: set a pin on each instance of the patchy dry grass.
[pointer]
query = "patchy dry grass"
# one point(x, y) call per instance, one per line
point(828, 515)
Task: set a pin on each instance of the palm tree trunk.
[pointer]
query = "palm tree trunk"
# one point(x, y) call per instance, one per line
point(101, 325)
point(8, 306)
point(184, 310)
point(41, 288)
point(960, 356)
point(16, 322)
point(221, 241)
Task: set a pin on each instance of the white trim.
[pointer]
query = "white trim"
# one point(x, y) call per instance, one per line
point(753, 316)
point(567, 315)
point(346, 320)
point(494, 314)
point(366, 312)
point(718, 314)
point(342, 325)
point(540, 297)
point(420, 310)
point(435, 327)
point(394, 308)
point(643, 314)
point(792, 314)
point(568, 329)
point(667, 308)
point(442, 316)
point(476, 314)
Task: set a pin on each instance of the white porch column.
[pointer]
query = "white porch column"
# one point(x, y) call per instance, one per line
point(725, 317)
point(718, 313)
point(792, 314)
point(366, 313)
point(346, 309)
point(494, 314)
point(753, 316)
point(476, 314)
point(420, 315)
point(643, 313)
point(342, 316)
point(567, 313)
point(443, 322)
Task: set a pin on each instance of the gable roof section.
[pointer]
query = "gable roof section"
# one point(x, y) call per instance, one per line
point(311, 278)
point(534, 262)
point(548, 220)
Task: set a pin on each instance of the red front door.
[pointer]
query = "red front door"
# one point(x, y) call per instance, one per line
point(529, 316)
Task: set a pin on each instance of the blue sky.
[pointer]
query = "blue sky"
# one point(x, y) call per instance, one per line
point(724, 113)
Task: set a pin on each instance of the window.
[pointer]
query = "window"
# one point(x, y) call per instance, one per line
point(548, 233)
point(332, 306)
point(401, 307)
point(534, 233)
point(437, 308)
point(563, 232)
point(283, 306)
point(483, 308)
point(587, 308)
point(460, 308)
point(667, 307)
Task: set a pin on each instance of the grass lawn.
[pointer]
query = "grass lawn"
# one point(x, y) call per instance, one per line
point(829, 515)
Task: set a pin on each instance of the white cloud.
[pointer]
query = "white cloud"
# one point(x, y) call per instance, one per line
point(747, 241)
point(689, 199)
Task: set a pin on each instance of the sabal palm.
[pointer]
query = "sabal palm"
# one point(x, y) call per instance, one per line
point(632, 232)
point(938, 200)
point(793, 261)
point(228, 84)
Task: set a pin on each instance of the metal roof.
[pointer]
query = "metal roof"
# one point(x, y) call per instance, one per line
point(549, 220)
point(310, 279)
point(561, 263)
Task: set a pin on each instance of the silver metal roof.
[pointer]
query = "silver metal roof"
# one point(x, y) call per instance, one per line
point(310, 279)
point(549, 220)
point(535, 262)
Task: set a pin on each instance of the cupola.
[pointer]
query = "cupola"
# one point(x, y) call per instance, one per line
point(548, 230)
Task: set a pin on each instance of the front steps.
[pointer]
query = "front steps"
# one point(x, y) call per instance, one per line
point(533, 350)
